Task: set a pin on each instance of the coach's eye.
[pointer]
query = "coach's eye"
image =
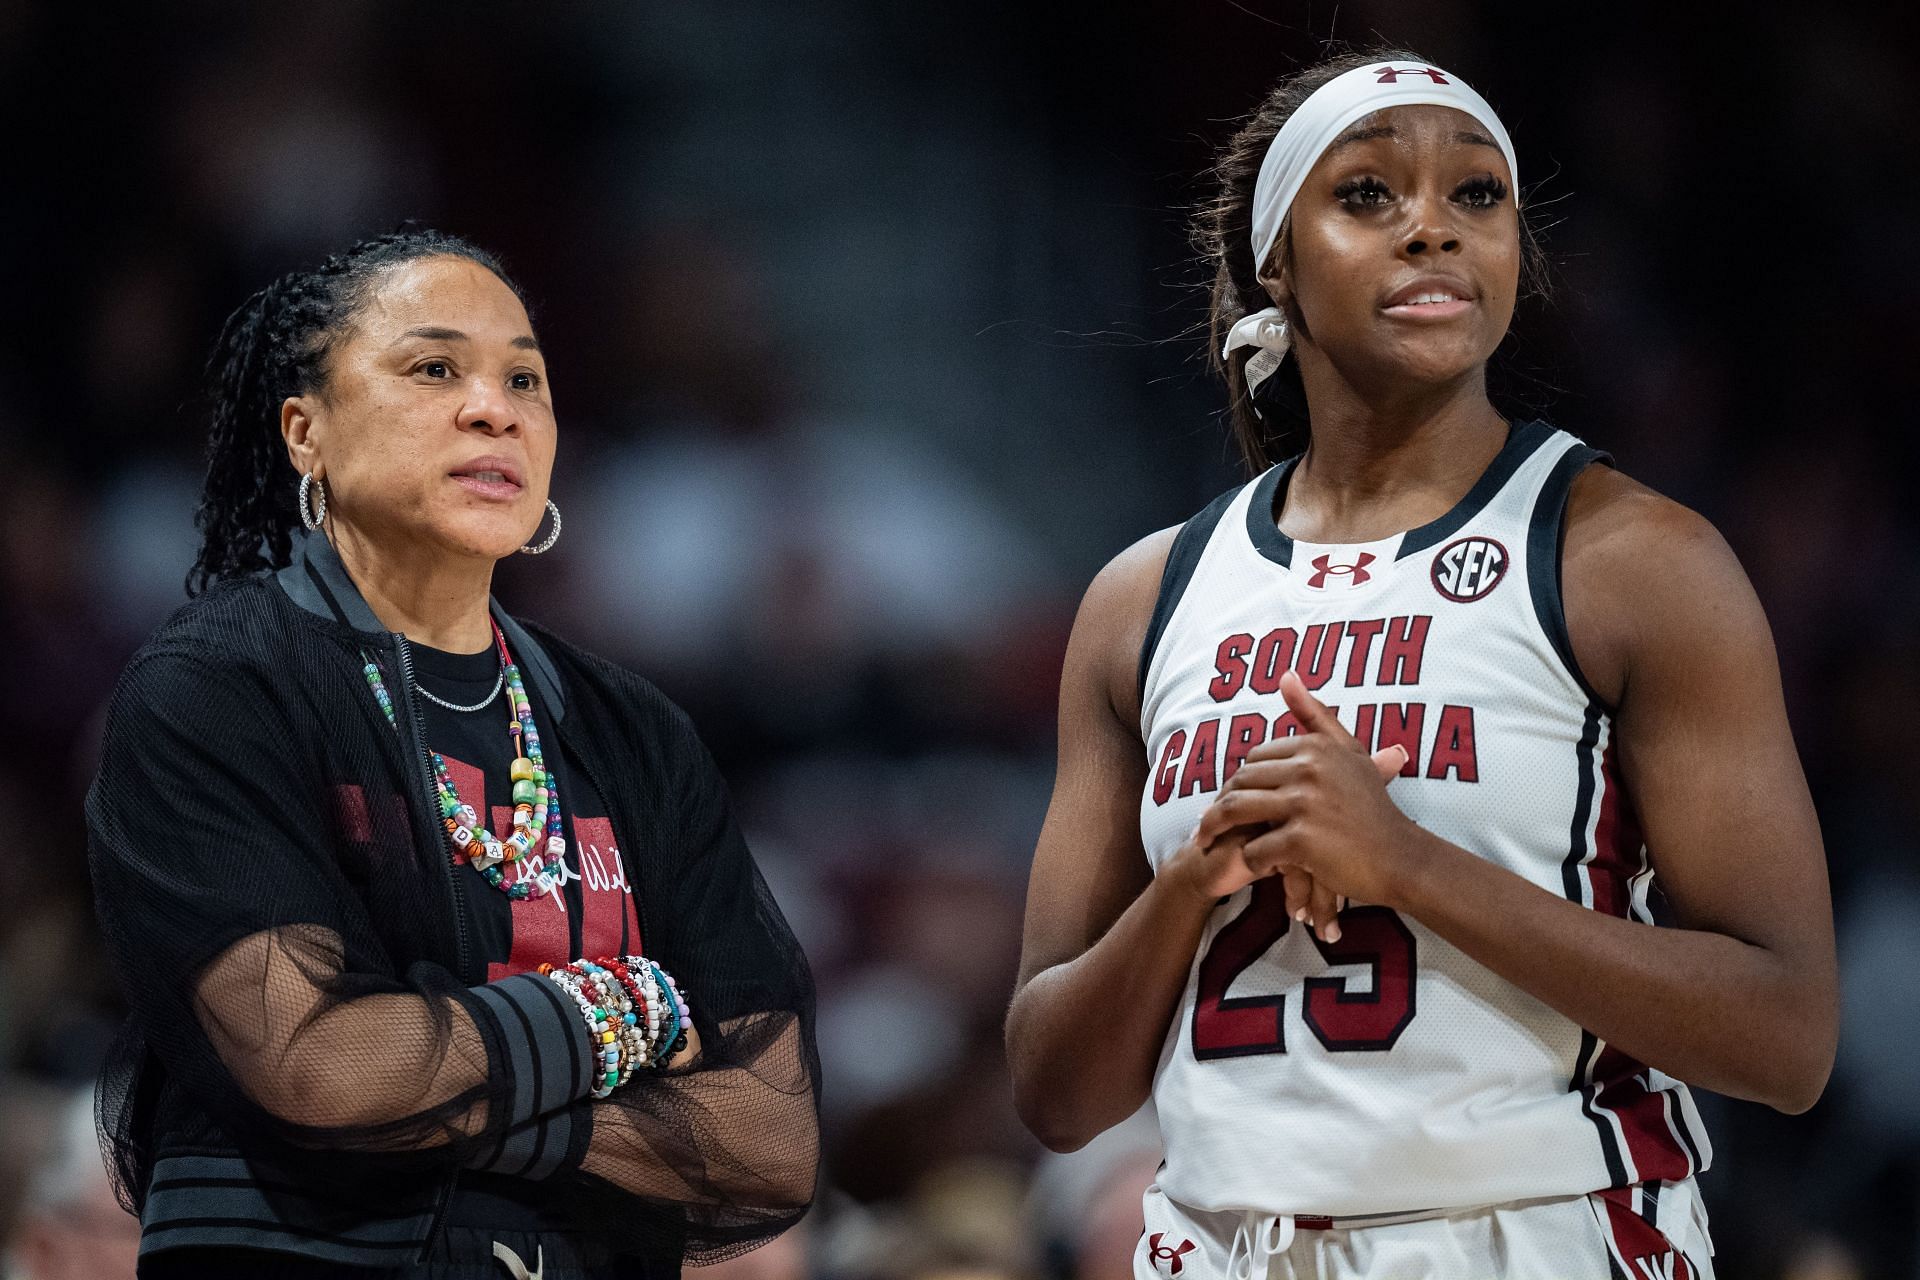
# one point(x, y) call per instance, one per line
point(1362, 193)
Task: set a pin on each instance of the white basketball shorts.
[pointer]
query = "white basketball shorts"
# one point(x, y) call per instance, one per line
point(1656, 1231)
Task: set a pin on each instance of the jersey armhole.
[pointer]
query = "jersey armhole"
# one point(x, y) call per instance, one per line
point(1546, 543)
point(1182, 559)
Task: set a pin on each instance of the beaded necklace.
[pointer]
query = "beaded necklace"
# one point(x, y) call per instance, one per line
point(536, 797)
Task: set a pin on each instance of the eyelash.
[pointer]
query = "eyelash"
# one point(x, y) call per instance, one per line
point(533, 379)
point(1484, 184)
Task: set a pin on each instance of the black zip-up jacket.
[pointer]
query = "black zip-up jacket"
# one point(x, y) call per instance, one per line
point(315, 1057)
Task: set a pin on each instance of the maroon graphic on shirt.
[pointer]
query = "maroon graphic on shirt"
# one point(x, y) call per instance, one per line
point(609, 925)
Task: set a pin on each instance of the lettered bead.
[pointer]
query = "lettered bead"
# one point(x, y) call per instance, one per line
point(556, 846)
point(468, 818)
point(462, 837)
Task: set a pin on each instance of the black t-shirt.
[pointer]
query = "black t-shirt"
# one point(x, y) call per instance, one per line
point(594, 914)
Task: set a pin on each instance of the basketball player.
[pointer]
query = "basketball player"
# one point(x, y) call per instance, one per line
point(1404, 728)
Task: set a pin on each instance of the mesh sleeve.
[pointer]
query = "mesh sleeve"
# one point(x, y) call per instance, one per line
point(251, 967)
point(722, 1154)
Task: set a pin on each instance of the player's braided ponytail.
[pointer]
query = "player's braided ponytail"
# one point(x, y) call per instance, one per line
point(276, 345)
point(1222, 231)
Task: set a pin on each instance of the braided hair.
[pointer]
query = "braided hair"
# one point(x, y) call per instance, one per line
point(276, 344)
point(1222, 230)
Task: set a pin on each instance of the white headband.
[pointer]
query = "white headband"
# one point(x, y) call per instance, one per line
point(1308, 132)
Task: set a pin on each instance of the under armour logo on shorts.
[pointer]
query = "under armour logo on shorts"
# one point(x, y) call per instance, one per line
point(1157, 1253)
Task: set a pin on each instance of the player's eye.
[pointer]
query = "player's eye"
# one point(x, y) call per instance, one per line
point(1362, 193)
point(523, 381)
point(1482, 191)
point(439, 370)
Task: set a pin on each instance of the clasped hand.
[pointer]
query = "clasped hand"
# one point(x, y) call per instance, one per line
point(1311, 808)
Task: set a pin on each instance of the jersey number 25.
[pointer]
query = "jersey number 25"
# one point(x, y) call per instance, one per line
point(1344, 1021)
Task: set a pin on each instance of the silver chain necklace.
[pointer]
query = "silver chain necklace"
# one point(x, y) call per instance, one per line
point(481, 705)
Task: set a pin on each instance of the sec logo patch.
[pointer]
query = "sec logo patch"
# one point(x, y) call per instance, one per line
point(1468, 568)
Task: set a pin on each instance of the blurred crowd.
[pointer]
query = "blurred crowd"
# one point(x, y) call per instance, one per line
point(873, 330)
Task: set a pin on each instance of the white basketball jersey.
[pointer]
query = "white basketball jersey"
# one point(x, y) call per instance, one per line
point(1389, 1073)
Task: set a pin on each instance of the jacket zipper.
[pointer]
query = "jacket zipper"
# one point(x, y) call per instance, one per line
point(454, 896)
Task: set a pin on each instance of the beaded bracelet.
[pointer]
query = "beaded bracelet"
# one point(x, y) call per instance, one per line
point(604, 1044)
point(675, 1015)
point(669, 1032)
point(638, 1000)
point(596, 1028)
point(681, 1013)
point(615, 997)
point(636, 1015)
point(648, 993)
point(621, 1046)
point(600, 1035)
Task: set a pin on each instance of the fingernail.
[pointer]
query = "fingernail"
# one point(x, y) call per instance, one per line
point(1300, 915)
point(1333, 931)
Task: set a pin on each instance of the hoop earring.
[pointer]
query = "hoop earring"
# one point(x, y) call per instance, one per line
point(551, 538)
point(315, 519)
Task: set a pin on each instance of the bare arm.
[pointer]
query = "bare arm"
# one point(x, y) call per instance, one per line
point(1106, 947)
point(1742, 996)
point(1108, 944)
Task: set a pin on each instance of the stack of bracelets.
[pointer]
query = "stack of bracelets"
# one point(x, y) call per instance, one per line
point(636, 1016)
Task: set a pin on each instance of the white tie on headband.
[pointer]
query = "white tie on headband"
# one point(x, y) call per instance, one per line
point(1308, 132)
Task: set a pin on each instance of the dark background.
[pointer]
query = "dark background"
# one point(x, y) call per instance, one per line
point(873, 330)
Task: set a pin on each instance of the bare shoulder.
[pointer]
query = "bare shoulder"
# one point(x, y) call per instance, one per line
point(1115, 614)
point(1609, 513)
point(1131, 579)
point(1638, 569)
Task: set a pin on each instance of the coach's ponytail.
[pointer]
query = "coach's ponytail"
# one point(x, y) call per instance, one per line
point(242, 527)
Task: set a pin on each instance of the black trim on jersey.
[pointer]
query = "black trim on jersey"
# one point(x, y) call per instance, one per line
point(1686, 1134)
point(1570, 882)
point(1182, 560)
point(1263, 520)
point(1582, 806)
point(1522, 441)
point(1546, 538)
point(1650, 1202)
point(1609, 1143)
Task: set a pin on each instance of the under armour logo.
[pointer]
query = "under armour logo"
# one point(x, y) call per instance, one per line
point(1391, 75)
point(1358, 569)
point(1156, 1253)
